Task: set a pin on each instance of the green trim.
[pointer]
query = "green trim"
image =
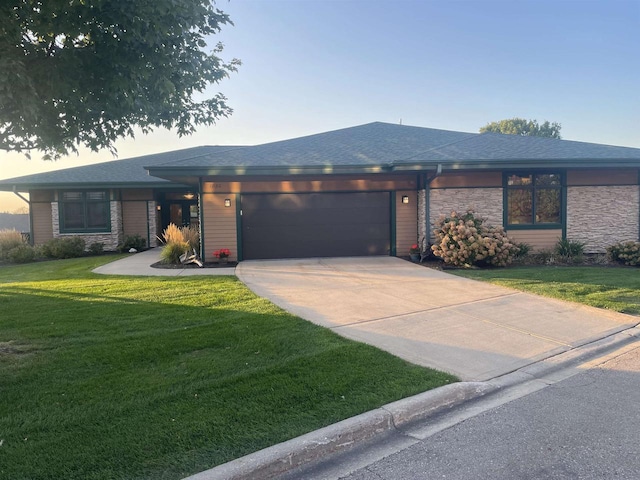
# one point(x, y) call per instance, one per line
point(563, 203)
point(427, 213)
point(466, 187)
point(534, 226)
point(239, 227)
point(88, 231)
point(201, 217)
point(392, 223)
point(539, 226)
point(163, 171)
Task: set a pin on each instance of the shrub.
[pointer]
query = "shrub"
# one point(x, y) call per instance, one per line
point(172, 234)
point(627, 253)
point(191, 235)
point(178, 241)
point(465, 240)
point(58, 248)
point(524, 250)
point(133, 241)
point(9, 239)
point(96, 248)
point(22, 254)
point(171, 252)
point(569, 250)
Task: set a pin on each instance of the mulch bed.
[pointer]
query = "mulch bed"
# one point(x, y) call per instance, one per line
point(172, 266)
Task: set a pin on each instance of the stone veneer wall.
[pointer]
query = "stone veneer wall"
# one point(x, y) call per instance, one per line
point(423, 234)
point(152, 214)
point(486, 202)
point(602, 215)
point(111, 240)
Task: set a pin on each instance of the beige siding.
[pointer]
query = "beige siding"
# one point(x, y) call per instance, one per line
point(468, 179)
point(41, 196)
point(406, 222)
point(621, 176)
point(134, 219)
point(219, 225)
point(137, 194)
point(42, 227)
point(538, 239)
point(319, 184)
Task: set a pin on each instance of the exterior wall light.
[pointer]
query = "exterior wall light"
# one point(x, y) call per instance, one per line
point(227, 202)
point(405, 199)
point(189, 196)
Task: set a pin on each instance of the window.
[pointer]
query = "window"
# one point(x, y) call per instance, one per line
point(534, 199)
point(84, 212)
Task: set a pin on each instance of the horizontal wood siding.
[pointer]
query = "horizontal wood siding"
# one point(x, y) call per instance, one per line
point(219, 225)
point(41, 223)
point(469, 179)
point(314, 185)
point(406, 222)
point(538, 239)
point(594, 177)
point(134, 219)
point(41, 196)
point(136, 194)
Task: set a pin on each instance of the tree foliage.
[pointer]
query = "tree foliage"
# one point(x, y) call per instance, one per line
point(520, 126)
point(86, 72)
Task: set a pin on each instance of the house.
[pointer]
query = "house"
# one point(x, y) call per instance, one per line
point(373, 189)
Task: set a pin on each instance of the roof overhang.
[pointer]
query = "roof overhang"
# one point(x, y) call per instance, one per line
point(25, 187)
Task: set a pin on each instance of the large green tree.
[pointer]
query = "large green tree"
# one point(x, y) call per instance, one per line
point(520, 126)
point(87, 72)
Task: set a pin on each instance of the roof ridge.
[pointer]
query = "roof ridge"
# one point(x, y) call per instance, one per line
point(468, 135)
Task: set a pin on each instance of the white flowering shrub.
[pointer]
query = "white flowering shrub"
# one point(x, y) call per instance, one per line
point(464, 240)
point(627, 253)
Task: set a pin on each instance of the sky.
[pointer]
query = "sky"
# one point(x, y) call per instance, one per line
point(311, 66)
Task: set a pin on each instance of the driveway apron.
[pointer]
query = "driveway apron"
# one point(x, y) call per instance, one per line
point(472, 329)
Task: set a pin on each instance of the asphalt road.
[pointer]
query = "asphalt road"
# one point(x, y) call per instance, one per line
point(584, 427)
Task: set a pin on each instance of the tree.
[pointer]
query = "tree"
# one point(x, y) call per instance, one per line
point(86, 72)
point(527, 128)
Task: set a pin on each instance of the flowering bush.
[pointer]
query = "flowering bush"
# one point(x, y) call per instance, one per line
point(415, 249)
point(222, 253)
point(625, 252)
point(463, 240)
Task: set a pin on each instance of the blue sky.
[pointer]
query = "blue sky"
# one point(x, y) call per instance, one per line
point(311, 66)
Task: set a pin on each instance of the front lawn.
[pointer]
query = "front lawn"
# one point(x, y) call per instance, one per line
point(612, 288)
point(153, 378)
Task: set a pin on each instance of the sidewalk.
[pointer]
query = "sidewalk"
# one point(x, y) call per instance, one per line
point(140, 264)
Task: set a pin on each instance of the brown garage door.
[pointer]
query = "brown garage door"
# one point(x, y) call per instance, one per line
point(315, 225)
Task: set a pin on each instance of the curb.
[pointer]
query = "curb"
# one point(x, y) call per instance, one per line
point(342, 436)
point(346, 434)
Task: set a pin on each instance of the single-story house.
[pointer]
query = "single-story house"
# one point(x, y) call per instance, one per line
point(373, 189)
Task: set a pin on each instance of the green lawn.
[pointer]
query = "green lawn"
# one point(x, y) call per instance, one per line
point(151, 378)
point(615, 289)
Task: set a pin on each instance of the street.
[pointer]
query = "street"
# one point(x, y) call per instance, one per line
point(584, 427)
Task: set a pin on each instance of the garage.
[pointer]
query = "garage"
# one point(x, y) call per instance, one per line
point(299, 225)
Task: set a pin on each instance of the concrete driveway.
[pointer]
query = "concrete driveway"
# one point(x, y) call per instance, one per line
point(474, 330)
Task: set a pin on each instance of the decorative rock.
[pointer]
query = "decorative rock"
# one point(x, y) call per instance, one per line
point(133, 250)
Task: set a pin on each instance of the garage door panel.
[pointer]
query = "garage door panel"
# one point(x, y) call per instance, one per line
point(309, 225)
